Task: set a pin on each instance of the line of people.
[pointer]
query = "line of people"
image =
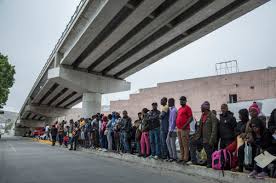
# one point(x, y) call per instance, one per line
point(155, 133)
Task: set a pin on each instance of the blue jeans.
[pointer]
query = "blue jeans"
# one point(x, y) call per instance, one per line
point(155, 142)
point(138, 148)
point(164, 148)
point(124, 140)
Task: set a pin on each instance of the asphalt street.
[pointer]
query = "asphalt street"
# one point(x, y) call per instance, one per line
point(25, 161)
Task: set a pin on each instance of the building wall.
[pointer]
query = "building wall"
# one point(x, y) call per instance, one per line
point(251, 85)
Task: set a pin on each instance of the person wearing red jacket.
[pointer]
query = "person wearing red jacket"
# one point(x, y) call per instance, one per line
point(184, 117)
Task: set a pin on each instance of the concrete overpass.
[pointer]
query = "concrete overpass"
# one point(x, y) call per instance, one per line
point(108, 40)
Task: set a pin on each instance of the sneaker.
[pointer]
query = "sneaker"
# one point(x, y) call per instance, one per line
point(252, 174)
point(171, 160)
point(151, 156)
point(156, 157)
point(261, 175)
point(179, 161)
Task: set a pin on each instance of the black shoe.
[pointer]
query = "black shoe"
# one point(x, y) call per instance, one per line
point(180, 161)
point(140, 155)
point(75, 149)
point(208, 166)
point(184, 163)
point(70, 149)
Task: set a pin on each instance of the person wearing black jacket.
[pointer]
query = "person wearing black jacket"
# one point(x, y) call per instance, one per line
point(272, 121)
point(154, 127)
point(54, 132)
point(227, 125)
point(126, 131)
point(241, 125)
point(261, 141)
point(164, 128)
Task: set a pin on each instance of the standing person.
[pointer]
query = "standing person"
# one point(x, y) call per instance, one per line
point(60, 133)
point(103, 133)
point(66, 136)
point(138, 132)
point(54, 132)
point(184, 117)
point(171, 136)
point(227, 125)
point(76, 134)
point(126, 131)
point(95, 132)
point(87, 133)
point(117, 129)
point(100, 116)
point(109, 132)
point(206, 134)
point(154, 133)
point(47, 132)
point(144, 142)
point(164, 127)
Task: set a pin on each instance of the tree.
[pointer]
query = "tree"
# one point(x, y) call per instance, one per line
point(7, 72)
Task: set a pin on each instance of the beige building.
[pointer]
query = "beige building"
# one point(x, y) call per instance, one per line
point(230, 88)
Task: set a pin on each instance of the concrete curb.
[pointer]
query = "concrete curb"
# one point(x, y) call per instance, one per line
point(192, 170)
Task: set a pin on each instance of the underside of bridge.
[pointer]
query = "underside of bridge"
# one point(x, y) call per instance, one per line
point(108, 40)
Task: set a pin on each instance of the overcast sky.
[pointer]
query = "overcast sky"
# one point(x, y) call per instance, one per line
point(30, 29)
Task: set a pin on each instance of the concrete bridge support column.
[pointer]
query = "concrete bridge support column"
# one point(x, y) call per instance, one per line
point(91, 104)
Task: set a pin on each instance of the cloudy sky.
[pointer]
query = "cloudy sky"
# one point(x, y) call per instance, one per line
point(30, 29)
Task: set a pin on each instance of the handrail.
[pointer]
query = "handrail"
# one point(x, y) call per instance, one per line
point(78, 10)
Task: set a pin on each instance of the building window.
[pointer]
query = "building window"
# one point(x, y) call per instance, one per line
point(233, 98)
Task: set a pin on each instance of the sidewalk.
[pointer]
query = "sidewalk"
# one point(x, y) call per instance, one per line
point(193, 170)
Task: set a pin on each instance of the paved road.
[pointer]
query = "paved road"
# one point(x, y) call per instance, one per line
point(25, 161)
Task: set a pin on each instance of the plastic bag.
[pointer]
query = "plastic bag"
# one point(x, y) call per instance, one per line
point(247, 154)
